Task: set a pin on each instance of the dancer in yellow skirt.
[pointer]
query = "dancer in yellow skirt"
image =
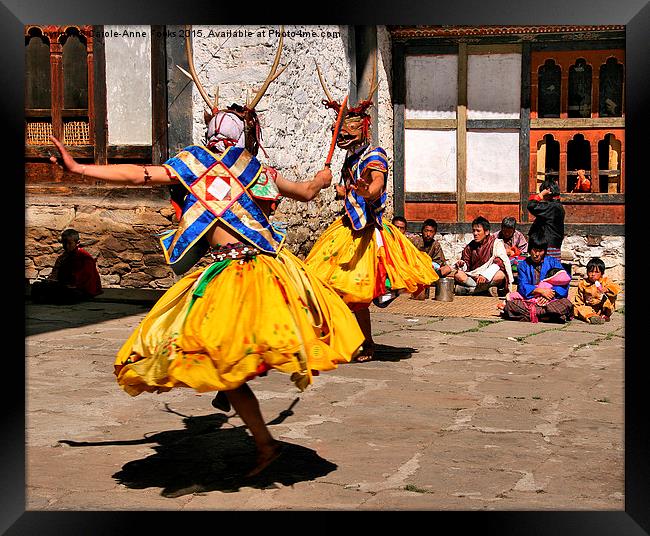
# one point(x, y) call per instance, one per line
point(363, 257)
point(256, 307)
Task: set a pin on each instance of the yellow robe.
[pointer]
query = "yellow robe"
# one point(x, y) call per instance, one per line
point(349, 260)
point(254, 315)
point(590, 301)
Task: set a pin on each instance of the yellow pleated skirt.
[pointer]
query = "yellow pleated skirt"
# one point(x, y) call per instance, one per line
point(215, 333)
point(362, 265)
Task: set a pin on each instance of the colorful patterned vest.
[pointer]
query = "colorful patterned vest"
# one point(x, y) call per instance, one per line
point(361, 211)
point(219, 188)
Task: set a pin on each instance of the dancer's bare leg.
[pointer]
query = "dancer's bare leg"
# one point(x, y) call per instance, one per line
point(248, 408)
point(363, 319)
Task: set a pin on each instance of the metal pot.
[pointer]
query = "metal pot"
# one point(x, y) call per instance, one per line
point(445, 289)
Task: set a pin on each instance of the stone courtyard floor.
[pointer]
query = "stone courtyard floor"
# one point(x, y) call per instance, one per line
point(460, 411)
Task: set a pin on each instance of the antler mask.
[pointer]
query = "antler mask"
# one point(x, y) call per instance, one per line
point(246, 113)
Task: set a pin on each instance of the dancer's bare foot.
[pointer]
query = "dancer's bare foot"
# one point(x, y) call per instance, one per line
point(265, 457)
point(366, 354)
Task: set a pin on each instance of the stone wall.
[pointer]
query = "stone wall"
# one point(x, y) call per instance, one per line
point(120, 233)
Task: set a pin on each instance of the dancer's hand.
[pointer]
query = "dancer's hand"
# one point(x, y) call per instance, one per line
point(325, 176)
point(362, 187)
point(68, 163)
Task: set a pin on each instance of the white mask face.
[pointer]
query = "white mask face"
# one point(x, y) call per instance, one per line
point(225, 130)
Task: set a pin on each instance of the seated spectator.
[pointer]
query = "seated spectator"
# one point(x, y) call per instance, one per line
point(484, 264)
point(595, 300)
point(432, 247)
point(74, 277)
point(426, 242)
point(401, 223)
point(535, 302)
point(514, 240)
point(555, 276)
point(583, 184)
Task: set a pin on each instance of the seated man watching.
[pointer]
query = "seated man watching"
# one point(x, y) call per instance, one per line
point(432, 247)
point(74, 277)
point(536, 302)
point(484, 264)
point(401, 223)
point(514, 240)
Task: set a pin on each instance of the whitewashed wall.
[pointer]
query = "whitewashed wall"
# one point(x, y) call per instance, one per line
point(128, 85)
point(295, 125)
point(430, 160)
point(493, 86)
point(492, 161)
point(431, 93)
point(431, 86)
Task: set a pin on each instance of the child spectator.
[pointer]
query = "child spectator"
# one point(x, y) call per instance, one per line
point(74, 277)
point(595, 300)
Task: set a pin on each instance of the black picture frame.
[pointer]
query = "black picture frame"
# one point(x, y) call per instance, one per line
point(635, 14)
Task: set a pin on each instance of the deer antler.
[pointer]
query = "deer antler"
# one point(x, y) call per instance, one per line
point(272, 75)
point(373, 84)
point(193, 76)
point(322, 82)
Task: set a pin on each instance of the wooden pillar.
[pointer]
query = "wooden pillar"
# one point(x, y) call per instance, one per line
point(91, 87)
point(534, 84)
point(532, 180)
point(595, 91)
point(99, 97)
point(399, 104)
point(622, 176)
point(179, 95)
point(56, 78)
point(564, 87)
point(159, 152)
point(564, 142)
point(461, 134)
point(524, 132)
point(593, 148)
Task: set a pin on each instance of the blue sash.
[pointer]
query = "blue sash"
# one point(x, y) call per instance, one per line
point(218, 189)
point(361, 211)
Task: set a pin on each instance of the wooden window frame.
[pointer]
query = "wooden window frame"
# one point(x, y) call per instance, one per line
point(417, 43)
point(55, 35)
point(593, 128)
point(99, 151)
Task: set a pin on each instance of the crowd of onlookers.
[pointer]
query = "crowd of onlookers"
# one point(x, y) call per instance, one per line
point(525, 272)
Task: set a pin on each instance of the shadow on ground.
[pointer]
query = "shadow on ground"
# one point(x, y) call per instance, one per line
point(44, 318)
point(384, 352)
point(207, 456)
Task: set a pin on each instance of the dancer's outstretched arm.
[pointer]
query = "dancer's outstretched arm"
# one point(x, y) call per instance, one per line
point(133, 174)
point(307, 190)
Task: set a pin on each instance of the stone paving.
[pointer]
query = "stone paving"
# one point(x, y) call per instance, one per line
point(456, 413)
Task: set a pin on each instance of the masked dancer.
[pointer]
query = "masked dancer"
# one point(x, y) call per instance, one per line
point(362, 256)
point(255, 307)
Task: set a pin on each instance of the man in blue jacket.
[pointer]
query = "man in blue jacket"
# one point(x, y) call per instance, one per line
point(538, 304)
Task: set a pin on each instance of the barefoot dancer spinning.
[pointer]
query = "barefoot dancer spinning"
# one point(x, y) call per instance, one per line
point(364, 258)
point(256, 307)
